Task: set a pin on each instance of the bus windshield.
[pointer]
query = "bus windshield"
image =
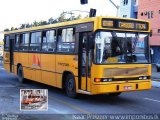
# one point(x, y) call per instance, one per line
point(121, 47)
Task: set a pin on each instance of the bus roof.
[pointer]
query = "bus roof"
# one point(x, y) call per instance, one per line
point(67, 23)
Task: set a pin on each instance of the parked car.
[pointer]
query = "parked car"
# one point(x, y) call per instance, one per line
point(158, 67)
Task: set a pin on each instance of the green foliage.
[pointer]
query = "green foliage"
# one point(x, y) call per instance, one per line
point(6, 29)
point(22, 26)
point(35, 23)
point(12, 28)
point(61, 18)
point(43, 23)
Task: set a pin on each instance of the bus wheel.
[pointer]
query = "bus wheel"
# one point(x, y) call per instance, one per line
point(114, 94)
point(70, 86)
point(20, 74)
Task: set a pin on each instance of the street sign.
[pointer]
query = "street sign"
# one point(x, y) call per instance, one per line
point(84, 2)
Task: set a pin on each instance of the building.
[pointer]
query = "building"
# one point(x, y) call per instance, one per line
point(150, 10)
point(128, 8)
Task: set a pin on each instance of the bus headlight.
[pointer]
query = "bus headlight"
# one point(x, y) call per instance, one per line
point(103, 79)
point(143, 78)
point(107, 80)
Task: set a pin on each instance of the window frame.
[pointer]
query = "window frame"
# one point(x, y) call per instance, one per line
point(15, 42)
point(7, 44)
point(59, 40)
point(55, 41)
point(148, 48)
point(40, 44)
point(22, 45)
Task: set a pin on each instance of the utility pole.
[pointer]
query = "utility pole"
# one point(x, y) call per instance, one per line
point(116, 6)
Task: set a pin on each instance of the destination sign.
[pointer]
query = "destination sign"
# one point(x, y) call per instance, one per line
point(125, 24)
point(108, 23)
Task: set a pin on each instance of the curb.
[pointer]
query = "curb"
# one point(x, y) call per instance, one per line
point(156, 84)
point(157, 80)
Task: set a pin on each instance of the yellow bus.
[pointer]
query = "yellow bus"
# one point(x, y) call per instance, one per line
point(98, 55)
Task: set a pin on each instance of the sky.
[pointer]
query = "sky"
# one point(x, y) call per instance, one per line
point(13, 13)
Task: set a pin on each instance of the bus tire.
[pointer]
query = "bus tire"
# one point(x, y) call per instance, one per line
point(114, 94)
point(70, 86)
point(20, 74)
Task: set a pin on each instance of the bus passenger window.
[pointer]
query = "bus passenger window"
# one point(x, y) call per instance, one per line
point(48, 40)
point(6, 43)
point(66, 40)
point(16, 42)
point(35, 43)
point(24, 40)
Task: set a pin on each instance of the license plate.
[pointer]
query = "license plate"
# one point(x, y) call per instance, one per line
point(127, 87)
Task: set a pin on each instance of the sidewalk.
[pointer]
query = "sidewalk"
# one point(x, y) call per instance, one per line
point(155, 77)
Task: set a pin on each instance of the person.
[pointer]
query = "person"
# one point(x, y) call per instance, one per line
point(115, 48)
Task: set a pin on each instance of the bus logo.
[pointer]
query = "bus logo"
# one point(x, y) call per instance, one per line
point(33, 99)
point(36, 61)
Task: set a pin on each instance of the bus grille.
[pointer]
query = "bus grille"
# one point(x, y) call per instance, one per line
point(110, 72)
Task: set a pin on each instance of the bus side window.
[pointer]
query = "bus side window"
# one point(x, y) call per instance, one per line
point(66, 40)
point(6, 43)
point(16, 42)
point(35, 42)
point(44, 41)
point(24, 40)
point(49, 40)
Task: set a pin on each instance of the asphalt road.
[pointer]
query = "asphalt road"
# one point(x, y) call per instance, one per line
point(141, 102)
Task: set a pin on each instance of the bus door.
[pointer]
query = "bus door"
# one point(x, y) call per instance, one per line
point(84, 61)
point(11, 54)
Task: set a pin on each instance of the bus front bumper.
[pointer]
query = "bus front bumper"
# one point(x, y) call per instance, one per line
point(120, 87)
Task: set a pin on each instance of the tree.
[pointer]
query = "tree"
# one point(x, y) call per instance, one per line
point(62, 17)
point(23, 26)
point(35, 23)
point(55, 21)
point(28, 25)
point(50, 20)
point(43, 23)
point(6, 29)
point(12, 28)
point(79, 17)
